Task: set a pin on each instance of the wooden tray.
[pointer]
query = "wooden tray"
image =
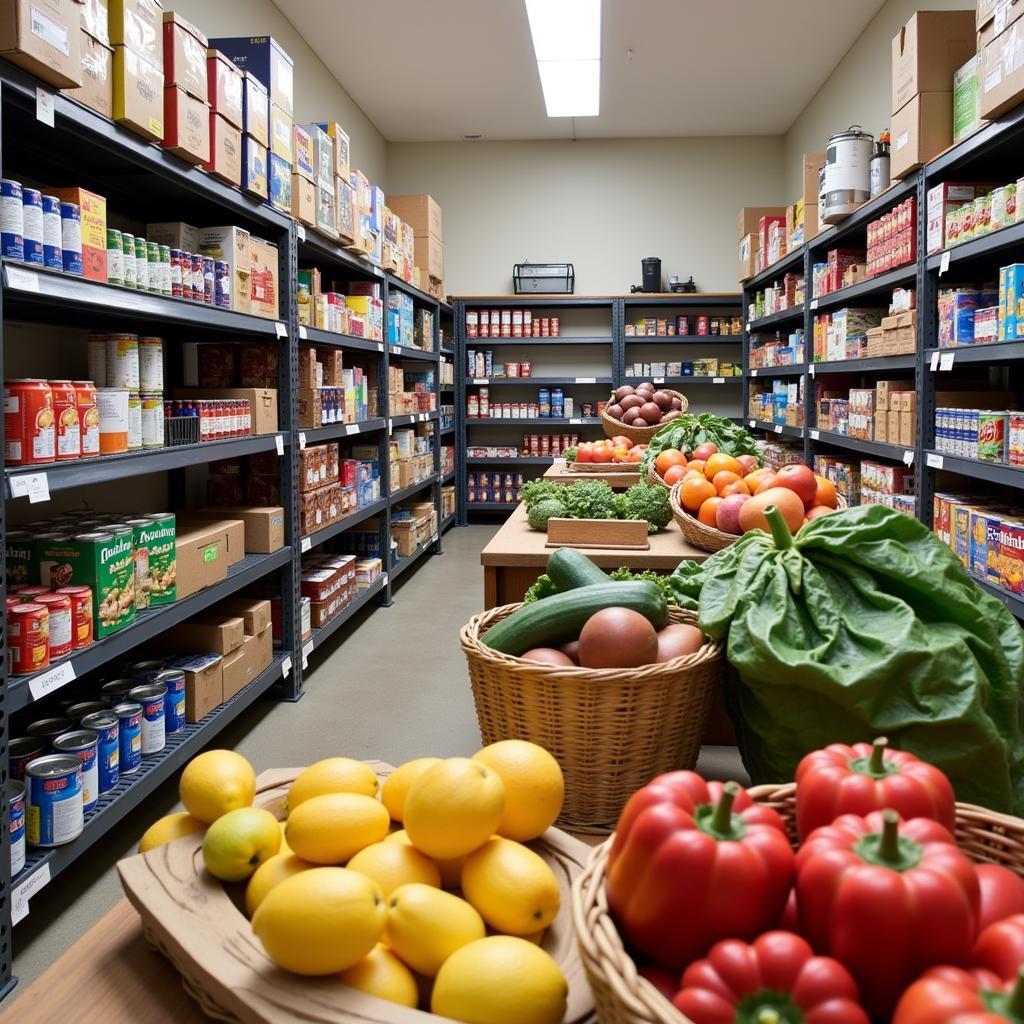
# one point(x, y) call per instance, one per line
point(597, 468)
point(630, 534)
point(189, 917)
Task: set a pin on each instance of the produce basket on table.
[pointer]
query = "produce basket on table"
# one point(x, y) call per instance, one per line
point(658, 406)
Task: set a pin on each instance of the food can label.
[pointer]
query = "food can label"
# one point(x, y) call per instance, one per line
point(16, 809)
point(54, 809)
point(134, 422)
point(130, 743)
point(153, 734)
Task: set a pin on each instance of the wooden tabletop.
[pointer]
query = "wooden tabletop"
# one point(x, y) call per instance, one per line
point(559, 473)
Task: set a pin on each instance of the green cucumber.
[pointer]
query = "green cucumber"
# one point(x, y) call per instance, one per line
point(559, 618)
point(570, 569)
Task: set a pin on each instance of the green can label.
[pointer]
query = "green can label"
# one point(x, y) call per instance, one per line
point(159, 538)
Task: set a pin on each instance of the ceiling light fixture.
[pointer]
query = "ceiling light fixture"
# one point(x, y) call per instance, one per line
point(567, 43)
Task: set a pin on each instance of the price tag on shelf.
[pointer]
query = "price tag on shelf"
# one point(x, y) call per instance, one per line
point(351, 428)
point(748, 325)
point(718, 380)
point(944, 263)
point(305, 660)
point(307, 649)
point(25, 890)
point(307, 543)
point(279, 444)
point(574, 421)
point(389, 426)
point(815, 435)
point(908, 457)
point(301, 232)
point(814, 303)
point(659, 380)
point(380, 346)
point(810, 369)
point(778, 428)
point(44, 105)
point(433, 540)
point(23, 280)
point(302, 332)
point(396, 350)
point(422, 416)
point(286, 667)
point(282, 331)
point(586, 380)
point(481, 380)
point(302, 439)
point(753, 423)
point(753, 373)
point(935, 361)
point(384, 577)
point(57, 677)
point(946, 362)
point(934, 461)
point(33, 486)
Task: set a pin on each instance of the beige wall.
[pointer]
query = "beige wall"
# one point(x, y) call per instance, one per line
point(602, 205)
point(318, 96)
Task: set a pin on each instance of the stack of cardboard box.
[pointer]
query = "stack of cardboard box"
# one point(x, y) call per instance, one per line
point(304, 176)
point(224, 89)
point(750, 262)
point(255, 136)
point(802, 220)
point(55, 56)
point(1001, 51)
point(136, 32)
point(344, 208)
point(97, 89)
point(186, 110)
point(423, 214)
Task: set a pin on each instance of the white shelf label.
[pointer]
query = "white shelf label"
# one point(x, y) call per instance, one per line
point(908, 458)
point(396, 350)
point(380, 346)
point(52, 680)
point(25, 890)
point(753, 423)
point(946, 362)
point(307, 649)
point(305, 660)
point(279, 444)
point(433, 540)
point(935, 361)
point(944, 263)
point(810, 369)
point(815, 435)
point(286, 667)
point(282, 331)
point(351, 428)
point(302, 439)
point(23, 280)
point(814, 303)
point(586, 380)
point(302, 332)
point(753, 373)
point(390, 425)
point(384, 577)
point(748, 324)
point(718, 380)
point(33, 486)
point(576, 421)
point(481, 380)
point(934, 461)
point(306, 544)
point(44, 106)
point(301, 232)
point(658, 380)
point(778, 428)
point(1000, 21)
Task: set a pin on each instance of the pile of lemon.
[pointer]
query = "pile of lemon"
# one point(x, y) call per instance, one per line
point(388, 922)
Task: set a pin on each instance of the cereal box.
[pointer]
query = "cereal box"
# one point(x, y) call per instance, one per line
point(1011, 555)
point(984, 527)
point(960, 524)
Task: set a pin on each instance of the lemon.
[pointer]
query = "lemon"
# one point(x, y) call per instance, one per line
point(331, 828)
point(383, 975)
point(393, 864)
point(500, 979)
point(320, 921)
point(396, 785)
point(284, 847)
point(168, 828)
point(453, 807)
point(270, 873)
point(216, 782)
point(332, 775)
point(238, 842)
point(425, 926)
point(451, 870)
point(534, 787)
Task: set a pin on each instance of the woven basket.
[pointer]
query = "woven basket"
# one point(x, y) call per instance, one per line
point(611, 730)
point(605, 468)
point(654, 480)
point(623, 997)
point(638, 435)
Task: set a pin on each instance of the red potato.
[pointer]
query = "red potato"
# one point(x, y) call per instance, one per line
point(633, 401)
point(621, 393)
point(679, 640)
point(617, 638)
point(799, 479)
point(572, 651)
point(727, 518)
point(651, 413)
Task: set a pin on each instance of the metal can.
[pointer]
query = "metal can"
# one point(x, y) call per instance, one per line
point(115, 257)
point(97, 355)
point(26, 594)
point(134, 421)
point(150, 354)
point(525, 369)
point(152, 411)
point(544, 402)
point(151, 696)
point(123, 361)
point(198, 287)
point(32, 225)
point(153, 261)
point(83, 744)
point(16, 811)
point(68, 441)
point(53, 254)
point(176, 272)
point(71, 238)
point(146, 671)
point(209, 281)
point(703, 325)
point(141, 264)
point(173, 680)
point(88, 417)
point(28, 639)
point(112, 404)
point(557, 403)
point(129, 736)
point(29, 428)
point(61, 635)
point(222, 284)
point(128, 249)
point(511, 369)
point(54, 813)
point(108, 754)
point(83, 709)
point(12, 220)
point(21, 750)
point(556, 326)
point(116, 690)
point(165, 270)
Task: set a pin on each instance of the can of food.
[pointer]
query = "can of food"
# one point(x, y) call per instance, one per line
point(54, 812)
point(146, 671)
point(29, 429)
point(526, 369)
point(176, 271)
point(556, 326)
point(173, 680)
point(65, 413)
point(31, 593)
point(53, 254)
point(108, 753)
point(83, 709)
point(129, 738)
point(12, 220)
point(141, 264)
point(153, 261)
point(198, 287)
point(88, 418)
point(472, 407)
point(48, 729)
point(222, 284)
point(16, 812)
point(123, 361)
point(32, 225)
point(115, 257)
point(703, 325)
point(128, 268)
point(71, 238)
point(28, 638)
point(21, 750)
point(164, 270)
point(61, 640)
point(112, 404)
point(150, 356)
point(511, 369)
point(134, 421)
point(151, 696)
point(209, 281)
point(83, 744)
point(152, 420)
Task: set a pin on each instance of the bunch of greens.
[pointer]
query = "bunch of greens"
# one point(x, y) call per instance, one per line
point(535, 491)
point(594, 499)
point(689, 432)
point(544, 587)
point(570, 454)
point(642, 501)
point(590, 499)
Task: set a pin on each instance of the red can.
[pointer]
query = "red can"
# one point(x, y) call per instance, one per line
point(535, 327)
point(556, 326)
point(81, 614)
point(88, 417)
point(61, 639)
point(12, 599)
point(525, 369)
point(31, 593)
point(682, 325)
point(29, 431)
point(28, 639)
point(65, 414)
point(703, 324)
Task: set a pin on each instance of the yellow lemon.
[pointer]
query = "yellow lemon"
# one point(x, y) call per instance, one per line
point(451, 870)
point(515, 892)
point(284, 848)
point(500, 979)
point(393, 864)
point(383, 975)
point(396, 785)
point(238, 842)
point(425, 926)
point(534, 787)
point(332, 775)
point(168, 828)
point(216, 782)
point(331, 828)
point(270, 873)
point(454, 807)
point(321, 921)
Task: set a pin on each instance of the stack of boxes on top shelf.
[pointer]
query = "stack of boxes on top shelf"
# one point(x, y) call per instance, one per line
point(136, 33)
point(423, 214)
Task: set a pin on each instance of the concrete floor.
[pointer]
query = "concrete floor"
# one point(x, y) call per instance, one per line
point(392, 685)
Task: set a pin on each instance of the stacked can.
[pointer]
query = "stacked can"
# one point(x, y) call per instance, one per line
point(12, 220)
point(115, 257)
point(128, 260)
point(54, 804)
point(53, 253)
point(32, 201)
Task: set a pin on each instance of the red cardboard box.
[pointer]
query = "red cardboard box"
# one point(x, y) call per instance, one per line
point(224, 87)
point(185, 56)
point(186, 126)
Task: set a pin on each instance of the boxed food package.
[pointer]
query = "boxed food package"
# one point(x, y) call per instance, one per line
point(339, 138)
point(224, 87)
point(926, 53)
point(279, 182)
point(254, 167)
point(326, 216)
point(225, 150)
point(922, 129)
point(184, 48)
point(137, 24)
point(203, 683)
point(422, 211)
point(255, 612)
point(304, 163)
point(255, 109)
point(202, 557)
point(240, 667)
point(174, 234)
point(265, 58)
point(750, 217)
point(93, 210)
point(265, 289)
point(44, 37)
point(323, 155)
point(748, 257)
point(1002, 68)
point(282, 140)
point(262, 402)
point(304, 200)
point(138, 94)
point(97, 89)
point(186, 126)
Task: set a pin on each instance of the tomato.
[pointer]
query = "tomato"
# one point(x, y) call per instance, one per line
point(697, 464)
point(620, 454)
point(674, 474)
point(667, 459)
point(736, 487)
point(723, 477)
point(602, 454)
point(584, 453)
point(634, 456)
point(720, 461)
point(826, 492)
point(620, 441)
point(704, 451)
point(799, 479)
point(694, 492)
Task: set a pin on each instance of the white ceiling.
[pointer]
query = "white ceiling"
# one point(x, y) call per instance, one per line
point(441, 68)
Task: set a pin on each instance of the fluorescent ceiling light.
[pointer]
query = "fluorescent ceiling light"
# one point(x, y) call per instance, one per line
point(567, 43)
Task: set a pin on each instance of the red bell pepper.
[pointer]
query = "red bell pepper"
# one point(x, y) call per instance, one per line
point(949, 995)
point(888, 899)
point(695, 862)
point(775, 980)
point(866, 777)
point(1002, 894)
point(1000, 947)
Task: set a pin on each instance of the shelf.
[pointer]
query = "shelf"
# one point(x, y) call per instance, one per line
point(542, 300)
point(401, 564)
point(688, 300)
point(25, 690)
point(448, 477)
point(362, 600)
point(314, 246)
point(519, 460)
point(448, 430)
point(317, 336)
point(881, 364)
point(480, 381)
point(476, 344)
point(871, 210)
point(346, 523)
point(992, 247)
point(447, 522)
point(795, 370)
point(133, 789)
point(853, 292)
point(986, 352)
point(790, 262)
point(878, 449)
point(534, 421)
point(408, 492)
point(1012, 601)
point(404, 352)
point(683, 339)
point(980, 144)
point(336, 430)
point(731, 378)
point(450, 352)
point(408, 418)
point(783, 316)
point(420, 296)
point(62, 476)
point(992, 472)
point(776, 428)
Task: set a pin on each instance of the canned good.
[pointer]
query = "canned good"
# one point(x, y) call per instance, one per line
point(152, 426)
point(153, 261)
point(176, 272)
point(146, 671)
point(129, 736)
point(53, 254)
point(128, 249)
point(134, 421)
point(151, 696)
point(83, 709)
point(222, 284)
point(198, 287)
point(115, 257)
point(525, 369)
point(54, 812)
point(32, 225)
point(209, 281)
point(21, 750)
point(116, 691)
point(48, 729)
point(112, 404)
point(83, 744)
point(150, 352)
point(12, 220)
point(123, 362)
point(61, 635)
point(88, 417)
point(174, 703)
point(108, 756)
point(165, 269)
point(71, 238)
point(28, 639)
point(29, 428)
point(68, 440)
point(141, 265)
point(16, 813)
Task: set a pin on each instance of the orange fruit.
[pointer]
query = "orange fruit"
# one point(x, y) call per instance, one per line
point(667, 459)
point(719, 461)
point(723, 477)
point(764, 483)
point(736, 487)
point(709, 511)
point(693, 492)
point(697, 464)
point(674, 474)
point(826, 493)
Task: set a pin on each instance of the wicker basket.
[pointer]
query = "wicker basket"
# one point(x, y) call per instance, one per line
point(604, 468)
point(623, 997)
point(611, 730)
point(638, 435)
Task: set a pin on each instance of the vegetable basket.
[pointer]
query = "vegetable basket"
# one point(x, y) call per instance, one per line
point(611, 730)
point(638, 435)
point(623, 997)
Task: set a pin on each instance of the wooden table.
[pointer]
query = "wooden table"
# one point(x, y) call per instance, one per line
point(559, 474)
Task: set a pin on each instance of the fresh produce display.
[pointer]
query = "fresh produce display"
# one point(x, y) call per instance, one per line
point(594, 499)
point(947, 994)
point(616, 450)
point(569, 568)
point(688, 432)
point(644, 405)
point(860, 603)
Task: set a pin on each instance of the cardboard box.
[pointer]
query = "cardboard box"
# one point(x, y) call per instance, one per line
point(967, 117)
point(174, 234)
point(279, 182)
point(809, 168)
point(96, 19)
point(326, 215)
point(44, 37)
point(224, 87)
point(907, 430)
point(429, 255)
point(232, 244)
point(920, 131)
point(201, 555)
point(926, 53)
point(881, 422)
point(240, 668)
point(264, 284)
point(97, 89)
point(185, 49)
point(254, 167)
point(262, 402)
point(267, 60)
point(138, 94)
point(748, 257)
point(305, 155)
point(892, 426)
point(186, 126)
point(225, 150)
point(255, 109)
point(203, 683)
point(93, 209)
point(255, 612)
point(264, 526)
point(985, 12)
point(750, 217)
point(1002, 72)
point(138, 24)
point(1005, 14)
point(343, 207)
point(303, 200)
point(208, 633)
point(423, 212)
point(339, 138)
point(282, 135)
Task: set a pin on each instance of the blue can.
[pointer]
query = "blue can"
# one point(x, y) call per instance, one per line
point(146, 671)
point(53, 254)
point(544, 401)
point(12, 220)
point(71, 237)
point(129, 728)
point(53, 800)
point(32, 217)
point(209, 282)
point(108, 759)
point(222, 284)
point(84, 744)
point(557, 403)
point(174, 702)
point(154, 734)
point(16, 810)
